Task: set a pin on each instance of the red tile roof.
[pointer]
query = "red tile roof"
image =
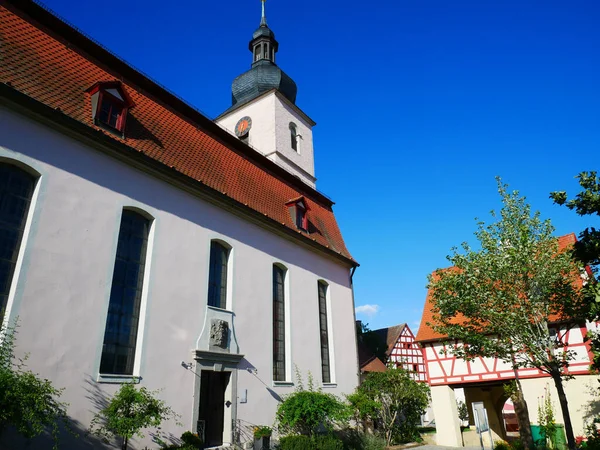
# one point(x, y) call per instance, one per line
point(52, 63)
point(426, 333)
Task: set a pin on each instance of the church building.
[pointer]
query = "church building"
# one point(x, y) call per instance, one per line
point(141, 241)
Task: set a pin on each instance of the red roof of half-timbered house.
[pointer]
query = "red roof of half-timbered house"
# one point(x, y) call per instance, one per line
point(426, 332)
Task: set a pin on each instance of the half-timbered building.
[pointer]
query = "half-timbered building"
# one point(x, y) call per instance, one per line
point(483, 378)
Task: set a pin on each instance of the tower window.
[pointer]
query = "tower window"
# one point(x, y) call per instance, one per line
point(110, 105)
point(294, 136)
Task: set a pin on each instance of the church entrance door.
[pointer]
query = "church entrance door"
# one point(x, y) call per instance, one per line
point(212, 405)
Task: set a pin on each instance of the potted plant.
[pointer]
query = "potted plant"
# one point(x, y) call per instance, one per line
point(262, 437)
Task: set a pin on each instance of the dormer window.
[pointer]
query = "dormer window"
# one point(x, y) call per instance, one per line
point(110, 105)
point(299, 212)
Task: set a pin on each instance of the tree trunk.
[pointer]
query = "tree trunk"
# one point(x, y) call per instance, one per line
point(564, 407)
point(124, 446)
point(521, 411)
point(523, 417)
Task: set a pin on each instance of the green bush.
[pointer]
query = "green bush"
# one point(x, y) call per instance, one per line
point(328, 442)
point(372, 442)
point(304, 412)
point(502, 445)
point(353, 439)
point(296, 443)
point(192, 440)
point(517, 445)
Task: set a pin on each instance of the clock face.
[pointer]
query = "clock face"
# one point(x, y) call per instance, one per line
point(243, 127)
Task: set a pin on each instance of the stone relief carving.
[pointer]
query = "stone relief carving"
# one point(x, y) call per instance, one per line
point(219, 332)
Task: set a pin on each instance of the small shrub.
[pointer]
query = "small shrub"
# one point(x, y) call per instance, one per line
point(328, 442)
point(192, 440)
point(502, 445)
point(517, 445)
point(373, 442)
point(306, 411)
point(296, 443)
point(262, 431)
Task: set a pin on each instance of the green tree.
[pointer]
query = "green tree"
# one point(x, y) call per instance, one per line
point(128, 412)
point(400, 402)
point(585, 203)
point(500, 299)
point(28, 403)
point(586, 250)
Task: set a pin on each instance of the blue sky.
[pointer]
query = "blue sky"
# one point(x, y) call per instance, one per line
point(419, 105)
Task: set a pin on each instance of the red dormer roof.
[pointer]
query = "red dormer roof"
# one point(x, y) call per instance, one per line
point(426, 332)
point(48, 65)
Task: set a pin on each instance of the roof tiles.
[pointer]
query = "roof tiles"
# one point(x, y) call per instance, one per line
point(42, 64)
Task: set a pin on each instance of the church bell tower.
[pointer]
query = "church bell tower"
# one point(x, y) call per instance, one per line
point(263, 112)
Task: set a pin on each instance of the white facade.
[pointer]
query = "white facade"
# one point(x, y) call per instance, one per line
point(271, 115)
point(60, 291)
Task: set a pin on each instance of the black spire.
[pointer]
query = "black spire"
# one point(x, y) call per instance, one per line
point(264, 74)
point(263, 44)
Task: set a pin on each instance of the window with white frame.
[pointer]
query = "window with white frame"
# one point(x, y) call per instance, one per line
point(16, 191)
point(324, 332)
point(279, 318)
point(217, 275)
point(121, 332)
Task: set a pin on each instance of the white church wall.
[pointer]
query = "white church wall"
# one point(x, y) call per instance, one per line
point(262, 112)
point(62, 292)
point(304, 157)
point(270, 134)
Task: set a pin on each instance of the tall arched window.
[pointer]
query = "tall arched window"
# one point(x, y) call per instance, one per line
point(16, 191)
point(325, 363)
point(294, 136)
point(217, 275)
point(278, 323)
point(121, 332)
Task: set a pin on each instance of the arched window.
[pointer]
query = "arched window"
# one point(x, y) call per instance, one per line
point(325, 362)
point(121, 332)
point(294, 136)
point(16, 191)
point(217, 276)
point(278, 323)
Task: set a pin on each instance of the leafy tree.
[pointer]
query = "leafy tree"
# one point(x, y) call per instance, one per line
point(499, 300)
point(128, 412)
point(587, 249)
point(587, 202)
point(27, 402)
point(400, 403)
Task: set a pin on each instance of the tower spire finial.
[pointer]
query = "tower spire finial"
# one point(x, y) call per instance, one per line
point(263, 19)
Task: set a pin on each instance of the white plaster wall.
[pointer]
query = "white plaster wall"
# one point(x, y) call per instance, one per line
point(582, 397)
point(284, 114)
point(270, 134)
point(63, 289)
